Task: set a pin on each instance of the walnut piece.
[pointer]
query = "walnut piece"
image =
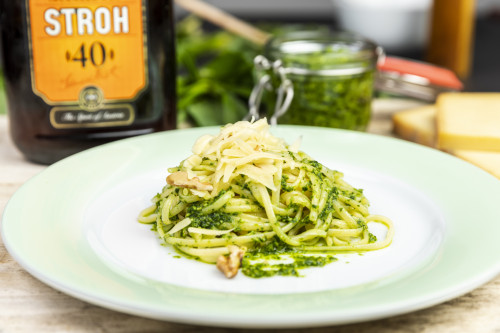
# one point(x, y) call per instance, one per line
point(229, 264)
point(180, 179)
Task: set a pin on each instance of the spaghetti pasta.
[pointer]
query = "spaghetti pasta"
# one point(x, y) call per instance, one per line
point(246, 188)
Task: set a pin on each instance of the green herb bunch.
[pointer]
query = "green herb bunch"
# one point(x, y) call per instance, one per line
point(215, 75)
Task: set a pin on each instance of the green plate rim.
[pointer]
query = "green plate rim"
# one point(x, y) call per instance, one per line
point(75, 269)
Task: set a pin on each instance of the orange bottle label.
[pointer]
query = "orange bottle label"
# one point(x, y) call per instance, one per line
point(87, 52)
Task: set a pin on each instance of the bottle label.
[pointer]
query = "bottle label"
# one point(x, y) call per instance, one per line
point(88, 59)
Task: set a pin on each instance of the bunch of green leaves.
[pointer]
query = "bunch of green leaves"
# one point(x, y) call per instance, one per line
point(215, 74)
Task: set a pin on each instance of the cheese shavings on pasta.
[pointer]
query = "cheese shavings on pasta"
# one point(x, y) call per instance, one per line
point(242, 149)
point(244, 188)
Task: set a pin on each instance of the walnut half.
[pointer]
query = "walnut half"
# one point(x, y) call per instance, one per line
point(180, 179)
point(229, 264)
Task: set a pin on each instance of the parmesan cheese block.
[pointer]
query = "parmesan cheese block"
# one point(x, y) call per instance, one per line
point(419, 125)
point(468, 121)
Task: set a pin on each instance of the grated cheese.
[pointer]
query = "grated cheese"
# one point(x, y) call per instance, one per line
point(243, 148)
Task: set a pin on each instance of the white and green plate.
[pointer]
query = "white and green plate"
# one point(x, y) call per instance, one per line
point(74, 227)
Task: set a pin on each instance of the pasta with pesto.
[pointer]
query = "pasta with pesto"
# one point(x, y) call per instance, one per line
point(246, 189)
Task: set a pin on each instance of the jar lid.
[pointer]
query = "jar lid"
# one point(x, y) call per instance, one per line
point(323, 53)
point(415, 79)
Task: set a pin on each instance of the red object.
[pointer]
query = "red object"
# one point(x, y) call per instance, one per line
point(436, 75)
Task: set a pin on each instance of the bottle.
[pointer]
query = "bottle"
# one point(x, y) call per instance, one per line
point(79, 73)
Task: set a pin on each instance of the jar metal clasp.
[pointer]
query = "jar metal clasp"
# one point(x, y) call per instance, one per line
point(284, 91)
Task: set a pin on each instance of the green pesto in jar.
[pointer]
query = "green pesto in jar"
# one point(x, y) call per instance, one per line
point(332, 76)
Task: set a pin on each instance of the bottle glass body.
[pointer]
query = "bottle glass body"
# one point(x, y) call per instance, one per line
point(83, 73)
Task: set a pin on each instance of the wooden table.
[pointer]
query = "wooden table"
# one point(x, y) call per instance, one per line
point(28, 305)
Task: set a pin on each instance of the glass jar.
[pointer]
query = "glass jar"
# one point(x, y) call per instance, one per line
point(332, 76)
point(80, 73)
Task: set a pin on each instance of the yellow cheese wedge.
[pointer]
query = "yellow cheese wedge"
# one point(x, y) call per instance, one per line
point(468, 121)
point(418, 125)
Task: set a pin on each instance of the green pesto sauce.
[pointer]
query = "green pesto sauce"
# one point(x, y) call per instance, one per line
point(284, 184)
point(215, 220)
point(272, 266)
point(338, 101)
point(332, 195)
point(277, 258)
point(371, 237)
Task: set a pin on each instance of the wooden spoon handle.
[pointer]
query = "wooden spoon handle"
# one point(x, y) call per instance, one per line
point(225, 20)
